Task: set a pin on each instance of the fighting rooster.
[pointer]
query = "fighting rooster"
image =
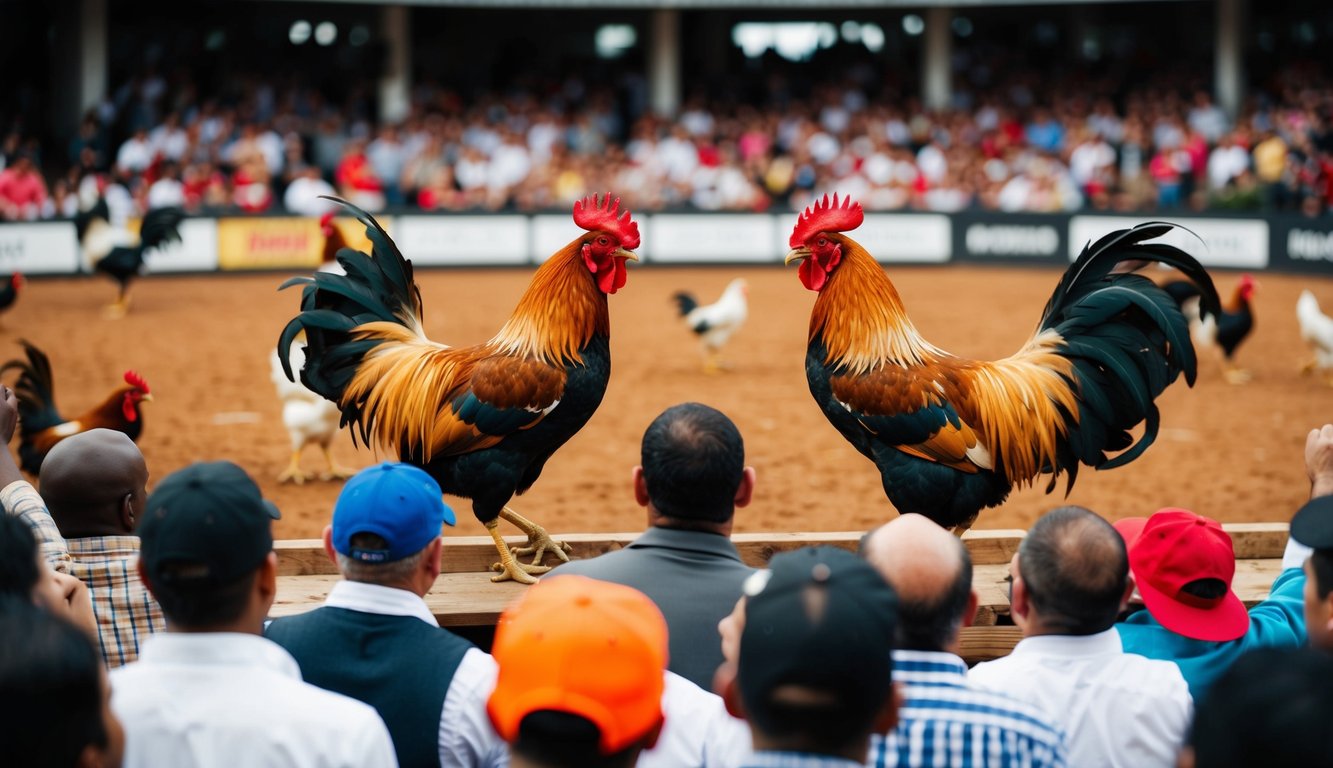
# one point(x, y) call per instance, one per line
point(1222, 332)
point(482, 420)
point(715, 323)
point(42, 426)
point(119, 254)
point(333, 242)
point(951, 436)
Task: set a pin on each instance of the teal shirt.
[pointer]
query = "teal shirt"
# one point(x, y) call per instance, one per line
point(1278, 622)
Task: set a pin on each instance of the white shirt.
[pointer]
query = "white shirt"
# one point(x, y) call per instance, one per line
point(1116, 708)
point(698, 730)
point(226, 699)
point(466, 737)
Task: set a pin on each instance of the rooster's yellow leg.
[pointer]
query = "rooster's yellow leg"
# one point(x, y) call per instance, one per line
point(509, 568)
point(293, 471)
point(539, 541)
point(336, 472)
point(1235, 375)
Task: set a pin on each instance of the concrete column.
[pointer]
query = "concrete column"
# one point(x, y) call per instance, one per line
point(664, 62)
point(395, 87)
point(1228, 61)
point(92, 53)
point(936, 69)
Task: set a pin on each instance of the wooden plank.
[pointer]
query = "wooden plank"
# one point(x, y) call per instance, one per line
point(1256, 541)
point(978, 644)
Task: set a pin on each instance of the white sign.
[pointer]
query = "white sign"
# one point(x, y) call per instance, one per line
point(1234, 243)
point(684, 238)
point(550, 233)
point(197, 250)
point(48, 248)
point(903, 238)
point(437, 240)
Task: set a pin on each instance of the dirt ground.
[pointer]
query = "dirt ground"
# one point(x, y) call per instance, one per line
point(203, 344)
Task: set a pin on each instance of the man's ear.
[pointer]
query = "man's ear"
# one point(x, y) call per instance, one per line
point(266, 582)
point(328, 546)
point(887, 717)
point(746, 489)
point(431, 562)
point(640, 487)
point(724, 685)
point(971, 613)
point(127, 513)
point(1018, 600)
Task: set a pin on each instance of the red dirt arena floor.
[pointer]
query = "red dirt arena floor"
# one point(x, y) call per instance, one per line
point(203, 344)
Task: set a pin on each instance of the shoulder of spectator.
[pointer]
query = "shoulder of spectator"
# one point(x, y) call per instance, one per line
point(21, 500)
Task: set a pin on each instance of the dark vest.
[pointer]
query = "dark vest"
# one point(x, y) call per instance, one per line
point(399, 665)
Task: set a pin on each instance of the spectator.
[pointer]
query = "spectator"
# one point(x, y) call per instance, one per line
point(136, 154)
point(1270, 162)
point(1313, 527)
point(57, 712)
point(809, 659)
point(303, 196)
point(1271, 708)
point(210, 690)
point(942, 714)
point(1183, 566)
point(375, 640)
point(387, 157)
point(1070, 579)
point(23, 194)
point(356, 179)
point(167, 191)
point(581, 680)
point(691, 479)
point(1226, 162)
point(25, 578)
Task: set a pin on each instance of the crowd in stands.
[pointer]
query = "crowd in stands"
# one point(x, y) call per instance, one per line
point(1163, 145)
point(670, 653)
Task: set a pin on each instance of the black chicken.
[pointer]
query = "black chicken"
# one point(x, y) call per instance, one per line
point(117, 253)
point(1224, 332)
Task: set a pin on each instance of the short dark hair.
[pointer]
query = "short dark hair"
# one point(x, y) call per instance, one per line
point(565, 740)
point(19, 570)
point(1076, 569)
point(930, 625)
point(1271, 707)
point(1321, 562)
point(199, 606)
point(52, 678)
point(693, 459)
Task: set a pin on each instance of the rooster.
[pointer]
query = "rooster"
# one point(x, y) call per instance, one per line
point(10, 292)
point(951, 436)
point(1224, 331)
point(309, 418)
point(1317, 331)
point(118, 253)
point(333, 242)
point(42, 426)
point(715, 323)
point(482, 420)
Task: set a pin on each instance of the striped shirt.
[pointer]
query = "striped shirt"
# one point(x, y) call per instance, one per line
point(126, 613)
point(771, 759)
point(946, 722)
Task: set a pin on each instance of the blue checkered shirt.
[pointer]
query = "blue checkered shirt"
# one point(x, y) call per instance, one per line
point(126, 613)
point(770, 759)
point(946, 722)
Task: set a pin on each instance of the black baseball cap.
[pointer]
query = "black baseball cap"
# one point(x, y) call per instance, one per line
point(205, 526)
point(824, 620)
point(1313, 523)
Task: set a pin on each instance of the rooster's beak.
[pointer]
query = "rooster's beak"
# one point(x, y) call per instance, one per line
point(146, 399)
point(797, 254)
point(621, 253)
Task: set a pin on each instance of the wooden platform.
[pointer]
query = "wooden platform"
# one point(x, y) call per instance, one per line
point(464, 597)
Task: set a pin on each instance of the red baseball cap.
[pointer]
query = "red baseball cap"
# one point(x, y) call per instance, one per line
point(1173, 548)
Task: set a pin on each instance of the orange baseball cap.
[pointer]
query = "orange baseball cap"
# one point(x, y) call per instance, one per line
point(585, 647)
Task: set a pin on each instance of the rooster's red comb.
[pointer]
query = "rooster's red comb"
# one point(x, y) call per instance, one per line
point(326, 219)
point(601, 215)
point(824, 216)
point(136, 381)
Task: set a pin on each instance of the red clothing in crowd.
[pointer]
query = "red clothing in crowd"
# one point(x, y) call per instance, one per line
point(21, 189)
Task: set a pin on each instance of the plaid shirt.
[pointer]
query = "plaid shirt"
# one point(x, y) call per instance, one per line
point(126, 613)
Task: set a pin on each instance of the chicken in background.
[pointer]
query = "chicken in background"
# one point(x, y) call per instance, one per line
point(951, 436)
point(715, 323)
point(40, 424)
point(1317, 332)
point(333, 242)
point(309, 418)
point(9, 293)
point(484, 419)
point(1223, 332)
point(117, 252)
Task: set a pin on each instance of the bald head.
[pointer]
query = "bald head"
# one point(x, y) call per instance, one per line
point(94, 483)
point(931, 571)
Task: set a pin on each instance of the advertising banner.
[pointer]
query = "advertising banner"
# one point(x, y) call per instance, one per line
point(288, 243)
point(982, 236)
point(460, 240)
point(1226, 243)
point(46, 248)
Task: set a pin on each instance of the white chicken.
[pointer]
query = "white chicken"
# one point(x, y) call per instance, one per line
point(308, 417)
point(1317, 331)
point(715, 323)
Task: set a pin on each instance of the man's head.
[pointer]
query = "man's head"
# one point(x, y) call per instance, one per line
point(1313, 527)
point(812, 671)
point(1183, 564)
point(94, 484)
point(931, 572)
point(386, 527)
point(693, 470)
point(582, 667)
point(207, 549)
point(59, 711)
point(1071, 574)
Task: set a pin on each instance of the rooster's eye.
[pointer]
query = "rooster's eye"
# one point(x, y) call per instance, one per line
point(602, 240)
point(821, 242)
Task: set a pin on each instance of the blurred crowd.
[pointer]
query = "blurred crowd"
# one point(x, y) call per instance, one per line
point(1018, 145)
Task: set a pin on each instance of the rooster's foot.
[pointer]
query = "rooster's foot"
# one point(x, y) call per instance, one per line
point(336, 473)
point(293, 476)
point(516, 571)
point(541, 543)
point(1237, 376)
point(115, 311)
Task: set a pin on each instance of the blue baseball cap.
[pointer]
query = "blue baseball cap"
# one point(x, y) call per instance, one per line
point(399, 503)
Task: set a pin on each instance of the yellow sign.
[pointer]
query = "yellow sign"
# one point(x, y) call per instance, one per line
point(281, 243)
